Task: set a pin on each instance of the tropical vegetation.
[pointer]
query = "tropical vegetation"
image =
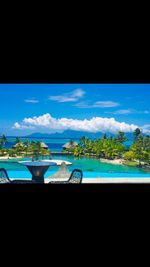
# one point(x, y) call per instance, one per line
point(113, 147)
point(31, 149)
point(105, 147)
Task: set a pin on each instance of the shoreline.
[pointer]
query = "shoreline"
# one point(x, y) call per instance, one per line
point(119, 161)
point(7, 157)
point(113, 161)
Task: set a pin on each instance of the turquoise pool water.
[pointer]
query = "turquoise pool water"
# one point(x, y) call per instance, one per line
point(91, 168)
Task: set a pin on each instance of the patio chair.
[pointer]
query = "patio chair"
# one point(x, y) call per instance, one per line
point(4, 179)
point(75, 178)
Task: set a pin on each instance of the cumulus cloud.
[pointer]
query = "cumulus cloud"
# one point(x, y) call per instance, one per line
point(146, 126)
point(98, 104)
point(68, 97)
point(33, 101)
point(95, 124)
point(19, 126)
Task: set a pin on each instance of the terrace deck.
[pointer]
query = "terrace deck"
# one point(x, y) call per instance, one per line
point(106, 180)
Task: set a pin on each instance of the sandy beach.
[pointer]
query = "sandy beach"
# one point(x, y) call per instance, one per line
point(7, 157)
point(113, 161)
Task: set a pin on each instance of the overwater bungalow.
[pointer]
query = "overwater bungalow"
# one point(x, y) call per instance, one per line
point(69, 145)
point(18, 145)
point(43, 145)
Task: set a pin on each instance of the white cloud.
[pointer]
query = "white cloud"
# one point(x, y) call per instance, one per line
point(16, 125)
point(98, 104)
point(146, 126)
point(123, 111)
point(95, 124)
point(68, 97)
point(127, 111)
point(19, 126)
point(106, 104)
point(78, 93)
point(33, 101)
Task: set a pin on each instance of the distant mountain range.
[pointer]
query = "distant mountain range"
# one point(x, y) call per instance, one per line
point(69, 134)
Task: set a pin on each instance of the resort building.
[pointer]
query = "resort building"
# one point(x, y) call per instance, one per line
point(18, 145)
point(43, 145)
point(70, 145)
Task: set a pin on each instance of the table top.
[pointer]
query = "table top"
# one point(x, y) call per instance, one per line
point(38, 163)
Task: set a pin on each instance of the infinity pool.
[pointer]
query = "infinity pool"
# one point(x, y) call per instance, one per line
point(92, 168)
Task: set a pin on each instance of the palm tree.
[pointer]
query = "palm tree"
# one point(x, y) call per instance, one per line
point(77, 151)
point(3, 140)
point(36, 146)
point(19, 148)
point(1, 144)
point(12, 152)
point(121, 137)
point(141, 149)
point(111, 149)
point(105, 136)
point(129, 155)
point(71, 142)
point(83, 141)
point(18, 140)
point(136, 134)
point(26, 144)
point(97, 147)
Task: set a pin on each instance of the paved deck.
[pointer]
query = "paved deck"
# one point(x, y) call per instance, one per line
point(104, 180)
point(110, 180)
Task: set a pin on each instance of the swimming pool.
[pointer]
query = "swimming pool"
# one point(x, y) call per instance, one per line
point(92, 168)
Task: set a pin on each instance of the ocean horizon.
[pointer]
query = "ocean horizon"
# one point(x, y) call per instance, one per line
point(54, 144)
point(91, 168)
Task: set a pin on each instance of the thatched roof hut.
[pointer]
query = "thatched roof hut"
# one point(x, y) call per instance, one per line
point(69, 145)
point(18, 145)
point(43, 145)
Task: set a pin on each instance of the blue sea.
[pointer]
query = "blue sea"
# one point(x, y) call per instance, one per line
point(91, 168)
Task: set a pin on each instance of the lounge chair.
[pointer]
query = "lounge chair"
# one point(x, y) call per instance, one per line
point(75, 178)
point(4, 179)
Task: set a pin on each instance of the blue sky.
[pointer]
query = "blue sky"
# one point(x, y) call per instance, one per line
point(58, 107)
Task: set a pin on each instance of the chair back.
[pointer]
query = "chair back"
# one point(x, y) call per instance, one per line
point(76, 176)
point(4, 179)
